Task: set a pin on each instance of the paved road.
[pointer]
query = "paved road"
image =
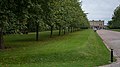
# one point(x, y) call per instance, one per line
point(112, 41)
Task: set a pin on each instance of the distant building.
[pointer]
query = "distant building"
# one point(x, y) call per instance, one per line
point(98, 24)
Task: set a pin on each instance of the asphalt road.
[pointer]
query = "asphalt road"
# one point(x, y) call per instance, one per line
point(112, 41)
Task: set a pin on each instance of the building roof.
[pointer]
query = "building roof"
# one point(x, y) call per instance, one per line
point(96, 21)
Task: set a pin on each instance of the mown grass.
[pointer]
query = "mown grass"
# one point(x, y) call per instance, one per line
point(79, 49)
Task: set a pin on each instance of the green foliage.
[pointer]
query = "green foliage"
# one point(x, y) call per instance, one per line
point(24, 14)
point(115, 22)
point(15, 13)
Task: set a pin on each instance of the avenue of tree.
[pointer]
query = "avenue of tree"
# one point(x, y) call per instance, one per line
point(115, 22)
point(23, 16)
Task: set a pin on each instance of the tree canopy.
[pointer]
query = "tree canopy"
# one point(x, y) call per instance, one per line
point(115, 22)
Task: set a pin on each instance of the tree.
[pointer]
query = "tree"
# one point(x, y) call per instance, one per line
point(14, 13)
point(115, 22)
point(48, 17)
point(2, 19)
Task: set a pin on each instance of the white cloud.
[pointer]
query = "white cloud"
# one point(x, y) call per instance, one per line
point(100, 9)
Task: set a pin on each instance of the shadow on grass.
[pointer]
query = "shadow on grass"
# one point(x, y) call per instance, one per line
point(43, 36)
point(18, 41)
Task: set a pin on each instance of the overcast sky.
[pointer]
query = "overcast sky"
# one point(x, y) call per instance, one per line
point(100, 9)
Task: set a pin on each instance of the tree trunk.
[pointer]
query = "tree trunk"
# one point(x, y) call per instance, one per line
point(51, 31)
point(68, 30)
point(1, 39)
point(71, 29)
point(37, 31)
point(59, 30)
point(64, 31)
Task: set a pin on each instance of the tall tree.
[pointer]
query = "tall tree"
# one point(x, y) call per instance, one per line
point(47, 7)
point(14, 13)
point(115, 22)
point(2, 18)
point(35, 12)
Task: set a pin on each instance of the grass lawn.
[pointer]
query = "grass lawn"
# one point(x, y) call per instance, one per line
point(118, 30)
point(79, 49)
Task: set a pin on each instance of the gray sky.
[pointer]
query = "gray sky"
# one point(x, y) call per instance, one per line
point(100, 9)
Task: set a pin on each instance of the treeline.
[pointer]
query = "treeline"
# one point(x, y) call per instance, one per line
point(115, 22)
point(23, 16)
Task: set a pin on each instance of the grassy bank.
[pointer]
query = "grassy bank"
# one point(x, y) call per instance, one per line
point(118, 30)
point(78, 49)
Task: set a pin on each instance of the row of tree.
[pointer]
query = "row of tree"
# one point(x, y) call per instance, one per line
point(115, 22)
point(22, 16)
